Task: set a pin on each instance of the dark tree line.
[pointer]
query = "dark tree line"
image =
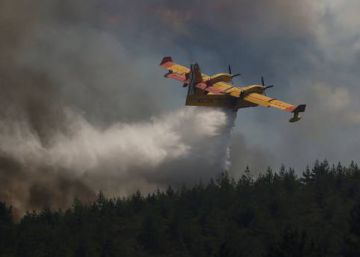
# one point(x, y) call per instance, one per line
point(273, 215)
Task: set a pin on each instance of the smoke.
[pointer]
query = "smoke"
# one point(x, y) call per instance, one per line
point(83, 105)
point(78, 88)
point(79, 115)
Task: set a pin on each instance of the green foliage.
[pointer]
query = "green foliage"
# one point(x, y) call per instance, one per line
point(276, 214)
point(7, 230)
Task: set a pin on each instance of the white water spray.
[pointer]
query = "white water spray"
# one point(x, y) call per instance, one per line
point(180, 147)
point(231, 117)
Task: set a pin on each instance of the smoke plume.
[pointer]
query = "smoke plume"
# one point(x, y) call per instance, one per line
point(84, 106)
point(68, 124)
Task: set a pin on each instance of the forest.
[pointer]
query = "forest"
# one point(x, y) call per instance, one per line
point(276, 214)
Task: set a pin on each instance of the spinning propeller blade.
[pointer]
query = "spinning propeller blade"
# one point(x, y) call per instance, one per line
point(230, 72)
point(264, 86)
point(267, 87)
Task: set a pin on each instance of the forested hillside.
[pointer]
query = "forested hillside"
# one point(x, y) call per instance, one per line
point(276, 214)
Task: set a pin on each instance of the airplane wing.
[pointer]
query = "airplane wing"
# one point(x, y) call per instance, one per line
point(258, 99)
point(224, 88)
point(266, 101)
point(177, 71)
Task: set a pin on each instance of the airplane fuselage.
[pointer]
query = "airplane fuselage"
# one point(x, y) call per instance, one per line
point(199, 97)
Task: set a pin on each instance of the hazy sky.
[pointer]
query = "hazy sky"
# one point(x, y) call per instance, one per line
point(85, 107)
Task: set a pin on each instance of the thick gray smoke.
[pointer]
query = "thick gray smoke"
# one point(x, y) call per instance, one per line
point(84, 106)
point(68, 125)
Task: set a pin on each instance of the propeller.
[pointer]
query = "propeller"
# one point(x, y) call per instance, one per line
point(264, 85)
point(230, 72)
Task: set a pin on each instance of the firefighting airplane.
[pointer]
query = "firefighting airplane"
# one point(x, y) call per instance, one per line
point(218, 90)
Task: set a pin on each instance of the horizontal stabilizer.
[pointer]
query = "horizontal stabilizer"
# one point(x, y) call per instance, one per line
point(296, 111)
point(299, 108)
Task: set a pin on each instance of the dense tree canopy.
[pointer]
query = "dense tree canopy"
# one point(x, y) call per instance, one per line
point(275, 214)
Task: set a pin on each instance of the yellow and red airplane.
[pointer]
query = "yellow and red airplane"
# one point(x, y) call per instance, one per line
point(218, 90)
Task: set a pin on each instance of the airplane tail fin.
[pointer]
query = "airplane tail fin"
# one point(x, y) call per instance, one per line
point(296, 111)
point(166, 61)
point(195, 76)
